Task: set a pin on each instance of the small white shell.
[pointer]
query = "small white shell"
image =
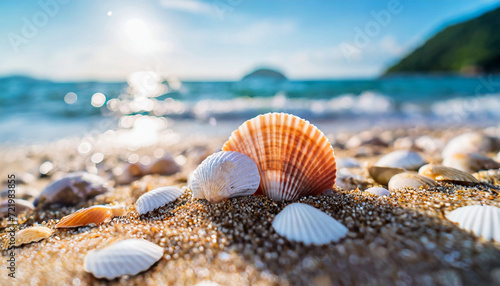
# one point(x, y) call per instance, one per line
point(126, 257)
point(481, 220)
point(157, 198)
point(379, 191)
point(304, 223)
point(224, 175)
point(401, 159)
point(404, 180)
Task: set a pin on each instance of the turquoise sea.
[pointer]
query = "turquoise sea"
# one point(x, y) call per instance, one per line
point(34, 111)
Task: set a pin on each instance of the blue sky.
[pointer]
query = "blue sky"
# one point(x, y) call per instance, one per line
point(217, 39)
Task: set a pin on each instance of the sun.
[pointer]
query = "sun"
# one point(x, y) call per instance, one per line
point(138, 31)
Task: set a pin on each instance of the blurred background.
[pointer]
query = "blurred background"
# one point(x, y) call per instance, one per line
point(133, 70)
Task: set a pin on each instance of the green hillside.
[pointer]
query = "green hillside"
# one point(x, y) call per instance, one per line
point(474, 44)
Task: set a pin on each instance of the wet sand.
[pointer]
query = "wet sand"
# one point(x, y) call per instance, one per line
point(401, 240)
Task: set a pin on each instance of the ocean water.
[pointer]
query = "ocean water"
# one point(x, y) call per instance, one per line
point(36, 111)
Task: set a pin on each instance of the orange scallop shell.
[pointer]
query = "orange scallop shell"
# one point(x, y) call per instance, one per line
point(93, 215)
point(294, 157)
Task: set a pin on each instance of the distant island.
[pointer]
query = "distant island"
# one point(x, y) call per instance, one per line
point(265, 74)
point(470, 47)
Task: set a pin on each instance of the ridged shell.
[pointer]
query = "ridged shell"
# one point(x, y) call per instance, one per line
point(405, 180)
point(32, 234)
point(383, 175)
point(304, 223)
point(378, 191)
point(224, 175)
point(470, 163)
point(94, 215)
point(126, 257)
point(72, 189)
point(157, 198)
point(402, 159)
point(481, 220)
point(442, 173)
point(294, 158)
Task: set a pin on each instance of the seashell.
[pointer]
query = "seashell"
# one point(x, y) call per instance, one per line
point(31, 234)
point(442, 173)
point(481, 220)
point(378, 191)
point(402, 159)
point(19, 206)
point(348, 163)
point(471, 142)
point(489, 176)
point(135, 169)
point(157, 198)
point(72, 189)
point(94, 215)
point(305, 223)
point(405, 180)
point(125, 257)
point(294, 158)
point(470, 163)
point(224, 175)
point(429, 144)
point(163, 166)
point(383, 175)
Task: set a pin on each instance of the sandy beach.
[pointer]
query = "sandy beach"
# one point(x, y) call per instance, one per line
point(404, 239)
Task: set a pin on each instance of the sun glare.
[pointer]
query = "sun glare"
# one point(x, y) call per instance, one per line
point(137, 30)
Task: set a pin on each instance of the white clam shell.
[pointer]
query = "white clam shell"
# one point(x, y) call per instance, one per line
point(401, 159)
point(224, 175)
point(126, 257)
point(470, 162)
point(157, 198)
point(304, 223)
point(379, 191)
point(404, 180)
point(481, 220)
point(443, 173)
point(471, 142)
